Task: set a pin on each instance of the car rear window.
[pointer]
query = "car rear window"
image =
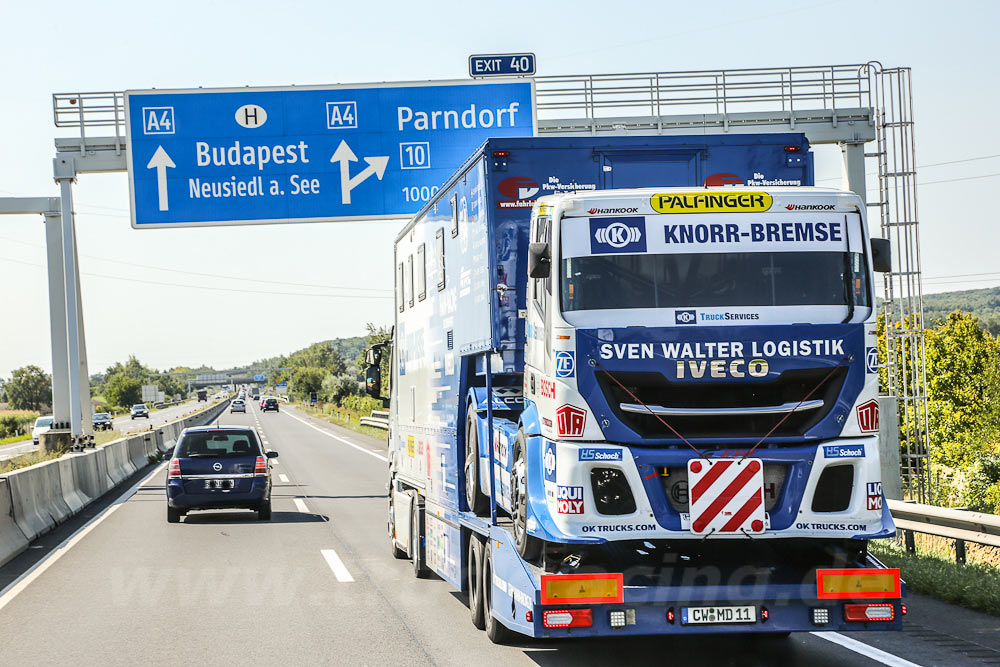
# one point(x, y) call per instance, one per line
point(218, 444)
point(44, 421)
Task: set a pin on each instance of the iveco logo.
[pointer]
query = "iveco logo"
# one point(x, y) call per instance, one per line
point(216, 466)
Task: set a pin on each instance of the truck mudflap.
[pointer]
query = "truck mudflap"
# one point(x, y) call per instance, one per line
point(533, 603)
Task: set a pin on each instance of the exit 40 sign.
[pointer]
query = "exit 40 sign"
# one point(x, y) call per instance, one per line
point(502, 64)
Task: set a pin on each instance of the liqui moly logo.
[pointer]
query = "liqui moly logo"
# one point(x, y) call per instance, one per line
point(868, 416)
point(569, 500)
point(570, 421)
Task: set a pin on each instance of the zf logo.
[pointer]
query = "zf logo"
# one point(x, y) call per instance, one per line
point(609, 235)
point(565, 364)
point(685, 316)
point(549, 461)
point(871, 359)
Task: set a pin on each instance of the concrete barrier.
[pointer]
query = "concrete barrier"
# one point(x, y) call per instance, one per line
point(12, 540)
point(149, 445)
point(36, 498)
point(72, 493)
point(90, 470)
point(119, 467)
point(137, 453)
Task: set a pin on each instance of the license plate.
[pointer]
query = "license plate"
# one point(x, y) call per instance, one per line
point(222, 484)
point(718, 615)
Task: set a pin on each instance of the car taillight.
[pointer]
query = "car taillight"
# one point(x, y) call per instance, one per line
point(261, 467)
point(568, 618)
point(175, 469)
point(869, 612)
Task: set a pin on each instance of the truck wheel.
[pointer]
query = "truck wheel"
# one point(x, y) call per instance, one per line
point(476, 499)
point(528, 547)
point(475, 580)
point(416, 540)
point(397, 553)
point(495, 630)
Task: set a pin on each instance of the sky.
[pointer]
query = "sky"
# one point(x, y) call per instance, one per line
point(225, 296)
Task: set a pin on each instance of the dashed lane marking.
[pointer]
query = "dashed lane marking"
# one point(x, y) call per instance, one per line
point(283, 478)
point(878, 655)
point(301, 506)
point(339, 439)
point(339, 569)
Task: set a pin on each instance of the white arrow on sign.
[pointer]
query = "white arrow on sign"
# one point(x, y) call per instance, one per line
point(160, 161)
point(345, 156)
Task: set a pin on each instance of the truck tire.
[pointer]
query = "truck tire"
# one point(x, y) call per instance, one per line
point(417, 540)
point(478, 503)
point(495, 630)
point(397, 553)
point(475, 581)
point(528, 547)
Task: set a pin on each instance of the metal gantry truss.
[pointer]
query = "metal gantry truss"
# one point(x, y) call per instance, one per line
point(847, 105)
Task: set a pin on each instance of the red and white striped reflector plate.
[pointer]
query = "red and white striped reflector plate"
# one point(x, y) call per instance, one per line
point(727, 496)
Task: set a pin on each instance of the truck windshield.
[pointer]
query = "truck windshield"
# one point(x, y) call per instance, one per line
point(707, 280)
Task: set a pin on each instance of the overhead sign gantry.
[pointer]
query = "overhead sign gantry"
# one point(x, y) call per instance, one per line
point(308, 154)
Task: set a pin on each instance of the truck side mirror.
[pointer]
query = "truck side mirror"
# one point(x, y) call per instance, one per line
point(539, 260)
point(881, 255)
point(373, 355)
point(373, 381)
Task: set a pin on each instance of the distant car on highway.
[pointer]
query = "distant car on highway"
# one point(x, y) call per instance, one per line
point(139, 410)
point(42, 425)
point(219, 467)
point(269, 403)
point(237, 406)
point(102, 421)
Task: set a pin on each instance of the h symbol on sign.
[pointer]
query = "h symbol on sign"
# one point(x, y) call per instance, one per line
point(248, 113)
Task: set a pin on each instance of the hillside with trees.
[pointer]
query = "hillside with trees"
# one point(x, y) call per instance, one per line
point(983, 303)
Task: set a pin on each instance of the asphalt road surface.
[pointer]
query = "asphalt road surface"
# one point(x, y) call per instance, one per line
point(317, 585)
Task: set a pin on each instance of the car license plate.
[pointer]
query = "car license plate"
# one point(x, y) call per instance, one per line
point(222, 484)
point(718, 615)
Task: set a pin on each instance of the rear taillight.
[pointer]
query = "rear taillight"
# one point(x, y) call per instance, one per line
point(261, 467)
point(175, 469)
point(568, 618)
point(869, 612)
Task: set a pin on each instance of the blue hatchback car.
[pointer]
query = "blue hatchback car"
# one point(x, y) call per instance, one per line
point(219, 467)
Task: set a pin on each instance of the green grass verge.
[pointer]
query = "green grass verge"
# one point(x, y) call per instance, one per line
point(102, 438)
point(25, 460)
point(348, 420)
point(973, 586)
point(15, 438)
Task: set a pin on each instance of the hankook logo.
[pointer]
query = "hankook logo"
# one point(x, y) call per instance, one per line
point(612, 211)
point(810, 207)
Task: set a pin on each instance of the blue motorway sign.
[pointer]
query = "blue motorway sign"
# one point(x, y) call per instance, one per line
point(308, 154)
point(502, 64)
point(260, 378)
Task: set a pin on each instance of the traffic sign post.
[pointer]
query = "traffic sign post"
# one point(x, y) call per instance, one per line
point(308, 154)
point(502, 64)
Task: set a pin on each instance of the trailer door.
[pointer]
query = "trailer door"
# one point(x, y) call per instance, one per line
point(653, 168)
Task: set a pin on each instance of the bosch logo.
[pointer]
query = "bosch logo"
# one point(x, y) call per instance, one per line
point(612, 211)
point(518, 187)
point(685, 316)
point(810, 207)
point(617, 235)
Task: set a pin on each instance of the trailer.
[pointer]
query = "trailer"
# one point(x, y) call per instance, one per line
point(632, 391)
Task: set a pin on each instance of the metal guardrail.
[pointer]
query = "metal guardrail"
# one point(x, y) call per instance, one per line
point(378, 419)
point(959, 525)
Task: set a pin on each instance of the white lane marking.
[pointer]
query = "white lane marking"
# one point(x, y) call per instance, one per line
point(301, 506)
point(339, 439)
point(39, 568)
point(878, 655)
point(337, 565)
point(283, 478)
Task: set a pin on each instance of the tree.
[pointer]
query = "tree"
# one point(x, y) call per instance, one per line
point(29, 388)
point(306, 380)
point(122, 390)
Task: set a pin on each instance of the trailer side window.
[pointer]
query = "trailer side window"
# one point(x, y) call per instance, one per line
point(440, 242)
point(421, 273)
point(409, 278)
point(399, 287)
point(454, 216)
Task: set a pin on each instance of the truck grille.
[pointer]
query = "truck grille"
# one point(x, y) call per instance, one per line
point(653, 388)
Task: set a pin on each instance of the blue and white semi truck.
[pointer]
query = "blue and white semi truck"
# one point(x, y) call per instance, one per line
point(632, 390)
